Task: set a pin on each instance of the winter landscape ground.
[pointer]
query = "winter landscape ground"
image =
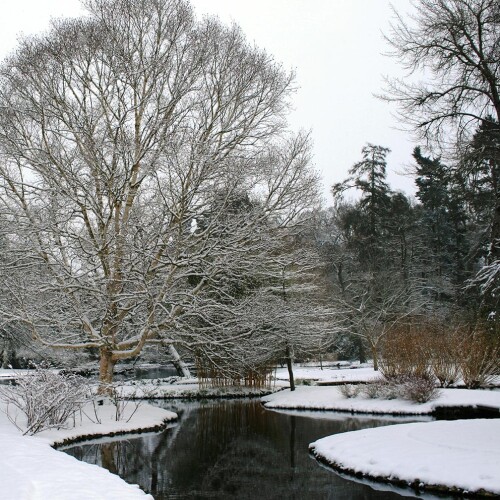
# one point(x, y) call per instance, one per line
point(31, 469)
point(404, 454)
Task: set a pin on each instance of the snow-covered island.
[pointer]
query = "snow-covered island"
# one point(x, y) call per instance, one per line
point(414, 455)
point(30, 468)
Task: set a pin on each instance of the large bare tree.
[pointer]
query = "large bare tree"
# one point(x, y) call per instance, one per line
point(454, 46)
point(125, 138)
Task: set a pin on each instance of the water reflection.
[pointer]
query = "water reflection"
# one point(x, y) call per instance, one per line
point(232, 449)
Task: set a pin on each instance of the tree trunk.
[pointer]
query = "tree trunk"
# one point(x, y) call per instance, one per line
point(375, 357)
point(361, 350)
point(5, 355)
point(290, 368)
point(180, 366)
point(106, 367)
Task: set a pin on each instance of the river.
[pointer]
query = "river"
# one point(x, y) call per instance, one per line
point(233, 449)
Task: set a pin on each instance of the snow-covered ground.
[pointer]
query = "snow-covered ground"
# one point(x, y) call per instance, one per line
point(330, 398)
point(9, 374)
point(463, 454)
point(329, 374)
point(30, 469)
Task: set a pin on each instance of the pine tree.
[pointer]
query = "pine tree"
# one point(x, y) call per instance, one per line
point(365, 221)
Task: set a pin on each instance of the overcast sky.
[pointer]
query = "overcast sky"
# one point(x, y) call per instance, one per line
point(335, 47)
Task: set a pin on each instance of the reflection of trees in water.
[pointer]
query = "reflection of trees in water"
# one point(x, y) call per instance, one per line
point(231, 449)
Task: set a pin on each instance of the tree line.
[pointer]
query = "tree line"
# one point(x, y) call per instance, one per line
point(152, 193)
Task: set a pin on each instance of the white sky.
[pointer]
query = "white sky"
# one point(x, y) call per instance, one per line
point(335, 47)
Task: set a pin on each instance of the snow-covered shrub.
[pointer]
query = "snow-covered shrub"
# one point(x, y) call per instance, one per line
point(480, 360)
point(391, 389)
point(380, 389)
point(121, 403)
point(419, 389)
point(349, 390)
point(47, 400)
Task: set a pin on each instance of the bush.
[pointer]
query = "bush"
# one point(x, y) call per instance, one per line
point(384, 389)
point(405, 352)
point(427, 349)
point(419, 389)
point(480, 361)
point(375, 389)
point(350, 390)
point(47, 399)
point(444, 347)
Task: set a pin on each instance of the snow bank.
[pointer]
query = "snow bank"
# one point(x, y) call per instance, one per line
point(31, 470)
point(443, 455)
point(330, 398)
point(136, 418)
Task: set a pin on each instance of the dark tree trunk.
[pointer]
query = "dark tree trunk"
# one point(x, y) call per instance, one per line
point(375, 358)
point(289, 365)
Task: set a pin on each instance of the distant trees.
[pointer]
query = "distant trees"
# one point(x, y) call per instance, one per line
point(368, 176)
point(373, 283)
point(443, 214)
point(125, 138)
point(457, 45)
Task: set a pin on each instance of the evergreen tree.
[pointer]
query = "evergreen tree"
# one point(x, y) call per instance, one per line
point(444, 220)
point(365, 221)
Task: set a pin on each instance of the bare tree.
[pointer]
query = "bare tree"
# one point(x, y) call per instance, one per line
point(118, 134)
point(370, 307)
point(456, 44)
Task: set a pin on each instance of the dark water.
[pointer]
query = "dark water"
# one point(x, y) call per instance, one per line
point(233, 449)
point(147, 373)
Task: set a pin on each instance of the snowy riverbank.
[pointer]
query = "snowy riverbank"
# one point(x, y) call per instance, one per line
point(414, 454)
point(30, 468)
point(330, 398)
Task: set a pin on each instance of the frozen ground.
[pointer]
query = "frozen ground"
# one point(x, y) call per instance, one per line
point(30, 469)
point(463, 454)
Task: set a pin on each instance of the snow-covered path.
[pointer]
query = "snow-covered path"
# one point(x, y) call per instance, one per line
point(462, 454)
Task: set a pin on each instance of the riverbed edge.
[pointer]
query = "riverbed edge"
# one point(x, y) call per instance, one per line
point(416, 485)
point(88, 437)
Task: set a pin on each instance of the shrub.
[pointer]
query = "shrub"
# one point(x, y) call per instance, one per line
point(350, 390)
point(375, 389)
point(383, 389)
point(445, 354)
point(480, 361)
point(47, 399)
point(405, 351)
point(419, 389)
